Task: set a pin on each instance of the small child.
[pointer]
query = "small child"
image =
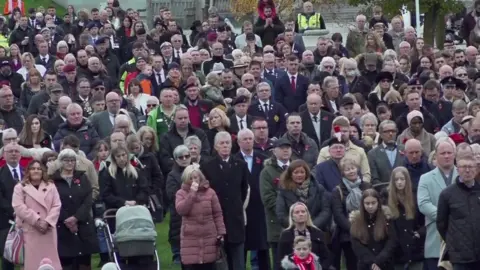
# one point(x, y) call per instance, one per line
point(302, 257)
point(378, 17)
point(144, 78)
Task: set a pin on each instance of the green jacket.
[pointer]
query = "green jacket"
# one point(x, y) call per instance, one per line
point(159, 121)
point(269, 182)
point(355, 41)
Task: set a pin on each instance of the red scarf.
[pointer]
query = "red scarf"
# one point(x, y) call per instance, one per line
point(304, 264)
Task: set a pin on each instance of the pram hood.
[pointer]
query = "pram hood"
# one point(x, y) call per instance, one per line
point(134, 223)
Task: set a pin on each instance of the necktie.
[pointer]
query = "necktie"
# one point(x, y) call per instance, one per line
point(159, 79)
point(270, 72)
point(293, 84)
point(265, 108)
point(284, 167)
point(178, 53)
point(15, 174)
point(241, 124)
point(391, 147)
point(44, 59)
point(315, 118)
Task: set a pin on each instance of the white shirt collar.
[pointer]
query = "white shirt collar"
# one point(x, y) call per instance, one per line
point(290, 75)
point(17, 168)
point(281, 164)
point(317, 115)
point(83, 99)
point(244, 118)
point(245, 155)
point(264, 102)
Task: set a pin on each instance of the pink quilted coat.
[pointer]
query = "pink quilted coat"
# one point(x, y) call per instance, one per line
point(202, 222)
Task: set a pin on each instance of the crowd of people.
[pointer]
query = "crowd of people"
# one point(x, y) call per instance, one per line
point(358, 156)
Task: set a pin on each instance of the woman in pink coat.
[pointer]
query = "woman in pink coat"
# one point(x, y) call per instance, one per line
point(202, 221)
point(37, 206)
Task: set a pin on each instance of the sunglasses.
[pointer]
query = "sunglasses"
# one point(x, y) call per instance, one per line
point(462, 75)
point(185, 157)
point(328, 67)
point(151, 105)
point(269, 52)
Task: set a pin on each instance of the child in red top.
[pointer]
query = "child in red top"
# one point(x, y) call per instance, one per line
point(302, 257)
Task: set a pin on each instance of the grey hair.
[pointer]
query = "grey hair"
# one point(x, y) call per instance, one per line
point(153, 98)
point(73, 106)
point(329, 80)
point(409, 28)
point(445, 140)
point(180, 150)
point(241, 91)
point(475, 148)
point(327, 59)
point(67, 153)
point(263, 84)
point(61, 43)
point(390, 53)
point(368, 116)
point(386, 122)
point(193, 140)
point(222, 135)
point(180, 107)
point(9, 131)
point(244, 132)
point(122, 117)
point(404, 43)
point(359, 16)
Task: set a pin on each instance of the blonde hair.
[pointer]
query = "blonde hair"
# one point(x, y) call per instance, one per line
point(291, 222)
point(189, 171)
point(146, 129)
point(112, 168)
point(302, 239)
point(404, 197)
point(345, 162)
point(223, 117)
point(29, 55)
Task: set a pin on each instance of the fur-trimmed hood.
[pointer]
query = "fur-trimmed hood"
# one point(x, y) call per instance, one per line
point(354, 215)
point(288, 264)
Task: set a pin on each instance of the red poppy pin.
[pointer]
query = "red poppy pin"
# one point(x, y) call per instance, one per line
point(234, 137)
point(76, 181)
point(134, 163)
point(325, 118)
point(336, 129)
point(258, 161)
point(45, 142)
point(307, 147)
point(276, 181)
point(85, 135)
point(405, 140)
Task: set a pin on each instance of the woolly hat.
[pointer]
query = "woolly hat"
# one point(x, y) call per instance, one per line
point(412, 115)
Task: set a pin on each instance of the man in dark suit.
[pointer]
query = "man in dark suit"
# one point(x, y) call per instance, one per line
point(178, 46)
point(159, 74)
point(10, 175)
point(198, 109)
point(317, 123)
point(291, 88)
point(327, 173)
point(386, 156)
point(228, 176)
point(270, 72)
point(44, 58)
point(265, 107)
point(60, 116)
point(256, 228)
point(261, 142)
point(53, 12)
point(240, 120)
point(167, 52)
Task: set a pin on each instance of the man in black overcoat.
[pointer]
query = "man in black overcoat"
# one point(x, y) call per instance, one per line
point(256, 228)
point(228, 176)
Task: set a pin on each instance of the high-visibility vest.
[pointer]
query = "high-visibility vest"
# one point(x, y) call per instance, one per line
point(312, 23)
point(3, 41)
point(10, 5)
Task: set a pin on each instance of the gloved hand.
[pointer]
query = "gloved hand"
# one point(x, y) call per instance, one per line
point(99, 223)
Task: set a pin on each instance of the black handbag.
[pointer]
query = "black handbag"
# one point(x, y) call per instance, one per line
point(155, 207)
point(221, 263)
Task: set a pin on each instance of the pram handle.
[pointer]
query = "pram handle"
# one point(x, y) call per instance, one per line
point(109, 213)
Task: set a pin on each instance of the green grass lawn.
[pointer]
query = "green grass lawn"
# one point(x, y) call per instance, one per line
point(36, 3)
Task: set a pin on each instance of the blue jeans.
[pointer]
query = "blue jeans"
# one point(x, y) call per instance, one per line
point(235, 256)
point(175, 254)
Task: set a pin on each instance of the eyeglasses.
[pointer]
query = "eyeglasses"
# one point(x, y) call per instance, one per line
point(248, 80)
point(185, 157)
point(69, 160)
point(151, 105)
point(385, 80)
point(99, 88)
point(467, 167)
point(10, 139)
point(389, 131)
point(260, 128)
point(269, 52)
point(328, 67)
point(462, 75)
point(416, 87)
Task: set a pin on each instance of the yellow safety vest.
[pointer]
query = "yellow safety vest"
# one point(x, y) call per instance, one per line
point(3, 41)
point(312, 23)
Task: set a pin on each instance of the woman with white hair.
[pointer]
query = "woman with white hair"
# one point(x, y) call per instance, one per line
point(202, 220)
point(194, 144)
point(77, 239)
point(182, 158)
point(328, 66)
point(123, 184)
point(28, 63)
point(369, 124)
point(62, 49)
point(355, 82)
